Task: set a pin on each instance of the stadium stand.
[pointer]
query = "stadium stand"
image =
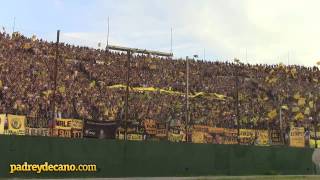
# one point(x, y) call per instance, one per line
point(90, 86)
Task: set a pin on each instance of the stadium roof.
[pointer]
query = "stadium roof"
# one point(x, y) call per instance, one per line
point(136, 50)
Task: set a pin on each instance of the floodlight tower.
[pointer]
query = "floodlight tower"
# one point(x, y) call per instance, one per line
point(237, 61)
point(187, 98)
point(131, 51)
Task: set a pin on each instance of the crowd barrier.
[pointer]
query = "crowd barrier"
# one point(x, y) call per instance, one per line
point(115, 158)
point(152, 130)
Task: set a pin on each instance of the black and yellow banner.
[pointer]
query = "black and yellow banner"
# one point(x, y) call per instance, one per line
point(16, 124)
point(68, 128)
point(247, 136)
point(297, 137)
point(262, 138)
point(230, 136)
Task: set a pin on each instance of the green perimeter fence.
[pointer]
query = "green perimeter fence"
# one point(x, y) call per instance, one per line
point(149, 158)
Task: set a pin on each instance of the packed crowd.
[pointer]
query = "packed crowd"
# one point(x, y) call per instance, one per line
point(269, 96)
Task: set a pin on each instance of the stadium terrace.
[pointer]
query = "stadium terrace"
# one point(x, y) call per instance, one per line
point(230, 102)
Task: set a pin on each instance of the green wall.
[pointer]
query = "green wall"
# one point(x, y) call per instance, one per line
point(122, 159)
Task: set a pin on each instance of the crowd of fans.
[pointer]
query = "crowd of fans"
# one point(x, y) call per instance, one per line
point(268, 96)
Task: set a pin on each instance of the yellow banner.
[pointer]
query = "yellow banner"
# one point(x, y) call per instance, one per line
point(201, 128)
point(161, 133)
point(312, 141)
point(297, 137)
point(152, 89)
point(262, 137)
point(135, 137)
point(198, 137)
point(68, 128)
point(16, 124)
point(312, 135)
point(216, 130)
point(76, 124)
point(175, 137)
point(230, 136)
point(62, 124)
point(2, 121)
point(247, 136)
point(150, 126)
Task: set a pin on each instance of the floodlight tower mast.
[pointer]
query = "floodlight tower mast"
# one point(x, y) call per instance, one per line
point(131, 51)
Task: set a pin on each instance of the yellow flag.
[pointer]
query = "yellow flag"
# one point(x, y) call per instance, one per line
point(299, 116)
point(307, 111)
point(47, 93)
point(273, 80)
point(296, 95)
point(284, 107)
point(311, 104)
point(272, 114)
point(62, 89)
point(27, 46)
point(301, 101)
point(295, 109)
point(92, 84)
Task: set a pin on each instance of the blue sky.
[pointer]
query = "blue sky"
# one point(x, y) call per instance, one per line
point(260, 31)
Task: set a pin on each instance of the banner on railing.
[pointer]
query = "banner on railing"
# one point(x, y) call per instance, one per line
point(313, 139)
point(100, 129)
point(161, 130)
point(37, 131)
point(173, 137)
point(216, 130)
point(198, 137)
point(297, 137)
point(247, 136)
point(130, 136)
point(135, 137)
point(275, 137)
point(161, 133)
point(230, 136)
point(262, 138)
point(68, 128)
point(62, 128)
point(312, 143)
point(150, 126)
point(76, 128)
point(201, 128)
point(3, 120)
point(16, 124)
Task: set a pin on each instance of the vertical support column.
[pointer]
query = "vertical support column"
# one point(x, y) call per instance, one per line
point(55, 76)
point(127, 95)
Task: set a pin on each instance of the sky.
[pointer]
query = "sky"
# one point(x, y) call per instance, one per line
point(254, 31)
